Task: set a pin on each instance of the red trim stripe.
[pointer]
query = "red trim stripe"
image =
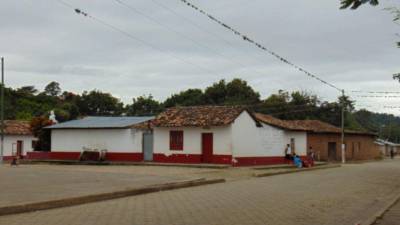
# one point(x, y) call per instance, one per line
point(110, 156)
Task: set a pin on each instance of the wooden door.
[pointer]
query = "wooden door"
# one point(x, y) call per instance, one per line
point(20, 148)
point(332, 151)
point(207, 147)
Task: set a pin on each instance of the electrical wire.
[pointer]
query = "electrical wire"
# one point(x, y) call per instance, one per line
point(377, 92)
point(129, 35)
point(205, 30)
point(257, 44)
point(377, 96)
point(169, 28)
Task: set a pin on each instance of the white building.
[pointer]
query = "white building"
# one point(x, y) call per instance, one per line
point(121, 138)
point(18, 139)
point(223, 135)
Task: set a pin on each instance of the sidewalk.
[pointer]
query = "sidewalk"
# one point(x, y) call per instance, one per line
point(36, 183)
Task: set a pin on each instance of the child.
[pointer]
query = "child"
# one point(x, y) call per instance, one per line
point(297, 161)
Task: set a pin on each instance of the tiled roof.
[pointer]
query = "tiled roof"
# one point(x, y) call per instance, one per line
point(198, 116)
point(314, 126)
point(97, 122)
point(270, 120)
point(17, 127)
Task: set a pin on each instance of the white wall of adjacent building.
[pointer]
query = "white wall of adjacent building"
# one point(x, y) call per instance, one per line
point(10, 144)
point(112, 140)
point(192, 140)
point(248, 140)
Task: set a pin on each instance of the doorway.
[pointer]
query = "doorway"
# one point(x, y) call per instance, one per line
point(148, 146)
point(331, 151)
point(207, 147)
point(20, 149)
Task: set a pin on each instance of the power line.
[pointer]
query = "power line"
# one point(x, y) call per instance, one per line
point(280, 107)
point(377, 92)
point(127, 34)
point(169, 28)
point(205, 30)
point(302, 110)
point(391, 107)
point(377, 96)
point(258, 45)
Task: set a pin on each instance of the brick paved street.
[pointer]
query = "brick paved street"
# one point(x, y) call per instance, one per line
point(344, 195)
point(32, 183)
point(391, 217)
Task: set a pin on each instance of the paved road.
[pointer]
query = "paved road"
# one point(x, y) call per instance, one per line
point(342, 196)
point(33, 183)
point(391, 217)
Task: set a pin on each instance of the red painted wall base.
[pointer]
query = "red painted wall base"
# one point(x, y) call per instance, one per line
point(110, 156)
point(161, 158)
point(258, 161)
point(191, 158)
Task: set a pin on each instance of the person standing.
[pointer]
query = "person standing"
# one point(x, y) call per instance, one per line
point(310, 157)
point(311, 153)
point(288, 152)
point(391, 153)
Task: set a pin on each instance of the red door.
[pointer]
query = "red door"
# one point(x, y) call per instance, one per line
point(19, 148)
point(207, 147)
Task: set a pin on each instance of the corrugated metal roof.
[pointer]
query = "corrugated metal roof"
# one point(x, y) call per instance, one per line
point(96, 122)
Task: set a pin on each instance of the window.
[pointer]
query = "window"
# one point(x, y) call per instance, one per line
point(176, 140)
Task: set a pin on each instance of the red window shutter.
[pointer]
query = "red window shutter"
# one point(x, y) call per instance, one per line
point(176, 140)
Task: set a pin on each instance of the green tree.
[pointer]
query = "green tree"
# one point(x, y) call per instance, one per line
point(235, 92)
point(297, 105)
point(144, 106)
point(97, 103)
point(238, 92)
point(27, 91)
point(52, 89)
point(190, 97)
point(71, 110)
point(216, 93)
point(44, 140)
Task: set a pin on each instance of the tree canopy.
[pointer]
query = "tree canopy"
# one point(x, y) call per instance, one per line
point(28, 103)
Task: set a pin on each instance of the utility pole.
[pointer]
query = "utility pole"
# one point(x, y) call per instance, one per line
point(2, 111)
point(343, 114)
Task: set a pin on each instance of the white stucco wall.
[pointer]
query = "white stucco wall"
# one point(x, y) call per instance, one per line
point(10, 144)
point(112, 140)
point(248, 140)
point(300, 141)
point(192, 140)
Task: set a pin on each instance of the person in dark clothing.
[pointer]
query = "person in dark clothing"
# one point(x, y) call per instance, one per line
point(392, 153)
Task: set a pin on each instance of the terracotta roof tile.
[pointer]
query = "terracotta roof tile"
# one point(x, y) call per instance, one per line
point(273, 121)
point(314, 126)
point(198, 116)
point(16, 127)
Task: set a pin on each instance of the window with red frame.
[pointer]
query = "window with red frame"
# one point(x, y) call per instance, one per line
point(176, 140)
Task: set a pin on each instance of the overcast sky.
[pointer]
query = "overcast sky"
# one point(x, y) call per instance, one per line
point(44, 41)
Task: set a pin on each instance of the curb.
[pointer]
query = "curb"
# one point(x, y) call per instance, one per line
point(372, 220)
point(284, 166)
point(30, 207)
point(295, 171)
